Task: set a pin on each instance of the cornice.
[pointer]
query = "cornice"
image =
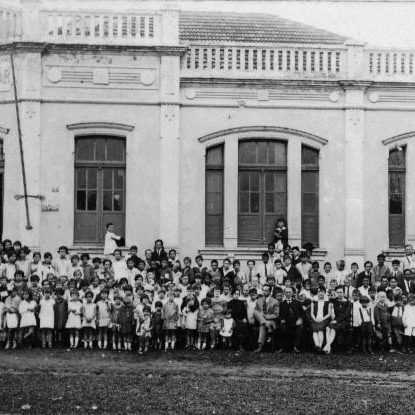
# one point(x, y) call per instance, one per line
point(256, 129)
point(42, 47)
point(100, 125)
point(397, 138)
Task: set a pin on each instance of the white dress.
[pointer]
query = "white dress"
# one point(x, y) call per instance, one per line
point(89, 311)
point(27, 317)
point(74, 315)
point(47, 313)
point(104, 313)
point(408, 320)
point(110, 245)
point(227, 327)
point(191, 319)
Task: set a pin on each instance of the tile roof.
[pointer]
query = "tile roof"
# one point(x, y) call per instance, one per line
point(249, 28)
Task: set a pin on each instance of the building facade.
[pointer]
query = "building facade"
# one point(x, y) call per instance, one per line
point(202, 129)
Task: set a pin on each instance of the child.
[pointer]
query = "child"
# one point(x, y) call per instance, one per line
point(23, 263)
point(228, 325)
point(127, 320)
point(74, 324)
point(280, 235)
point(144, 331)
point(110, 244)
point(171, 317)
point(366, 324)
point(10, 268)
point(190, 312)
point(158, 324)
point(304, 266)
point(47, 318)
point(250, 272)
point(218, 306)
point(279, 273)
point(119, 266)
point(341, 273)
point(27, 308)
point(46, 268)
point(75, 267)
point(396, 321)
point(11, 308)
point(103, 319)
point(382, 320)
point(35, 263)
point(89, 313)
point(115, 323)
point(205, 320)
point(321, 311)
point(62, 264)
point(60, 309)
point(408, 320)
point(87, 268)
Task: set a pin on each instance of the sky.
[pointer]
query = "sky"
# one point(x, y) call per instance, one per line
point(384, 24)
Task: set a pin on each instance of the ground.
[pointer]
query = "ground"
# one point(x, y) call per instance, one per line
point(181, 382)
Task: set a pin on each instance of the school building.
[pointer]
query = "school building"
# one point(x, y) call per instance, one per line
point(201, 129)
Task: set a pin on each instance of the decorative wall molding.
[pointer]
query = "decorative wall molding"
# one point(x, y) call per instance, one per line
point(354, 251)
point(100, 125)
point(259, 129)
point(397, 138)
point(112, 77)
point(262, 94)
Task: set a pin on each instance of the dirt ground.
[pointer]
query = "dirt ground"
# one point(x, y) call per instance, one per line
point(219, 382)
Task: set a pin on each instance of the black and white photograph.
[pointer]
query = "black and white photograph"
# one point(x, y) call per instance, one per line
point(207, 207)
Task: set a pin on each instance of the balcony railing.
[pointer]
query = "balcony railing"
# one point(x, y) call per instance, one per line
point(390, 64)
point(102, 28)
point(10, 24)
point(276, 62)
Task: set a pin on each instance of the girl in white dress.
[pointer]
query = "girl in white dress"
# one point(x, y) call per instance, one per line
point(89, 313)
point(11, 308)
point(228, 325)
point(74, 324)
point(47, 318)
point(27, 308)
point(103, 319)
point(190, 313)
point(408, 320)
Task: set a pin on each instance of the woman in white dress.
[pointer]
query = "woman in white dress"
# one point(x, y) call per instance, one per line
point(27, 308)
point(11, 308)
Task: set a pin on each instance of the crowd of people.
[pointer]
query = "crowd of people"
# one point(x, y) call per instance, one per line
point(284, 302)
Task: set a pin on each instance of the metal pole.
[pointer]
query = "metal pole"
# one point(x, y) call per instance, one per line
point(19, 130)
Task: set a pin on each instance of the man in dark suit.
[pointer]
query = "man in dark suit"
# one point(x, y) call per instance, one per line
point(159, 253)
point(366, 273)
point(407, 286)
point(291, 317)
point(266, 314)
point(293, 274)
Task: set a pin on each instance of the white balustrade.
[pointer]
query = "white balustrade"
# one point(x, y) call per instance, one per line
point(10, 24)
point(102, 28)
point(319, 62)
point(390, 64)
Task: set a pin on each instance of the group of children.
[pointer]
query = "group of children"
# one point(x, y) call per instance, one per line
point(283, 302)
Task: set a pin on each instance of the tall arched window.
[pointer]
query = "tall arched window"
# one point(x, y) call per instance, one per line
point(309, 195)
point(397, 172)
point(262, 190)
point(99, 187)
point(214, 196)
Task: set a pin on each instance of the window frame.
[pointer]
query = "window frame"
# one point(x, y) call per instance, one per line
point(310, 168)
point(215, 168)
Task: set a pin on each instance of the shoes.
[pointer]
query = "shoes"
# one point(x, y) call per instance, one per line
point(258, 350)
point(296, 350)
point(278, 351)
